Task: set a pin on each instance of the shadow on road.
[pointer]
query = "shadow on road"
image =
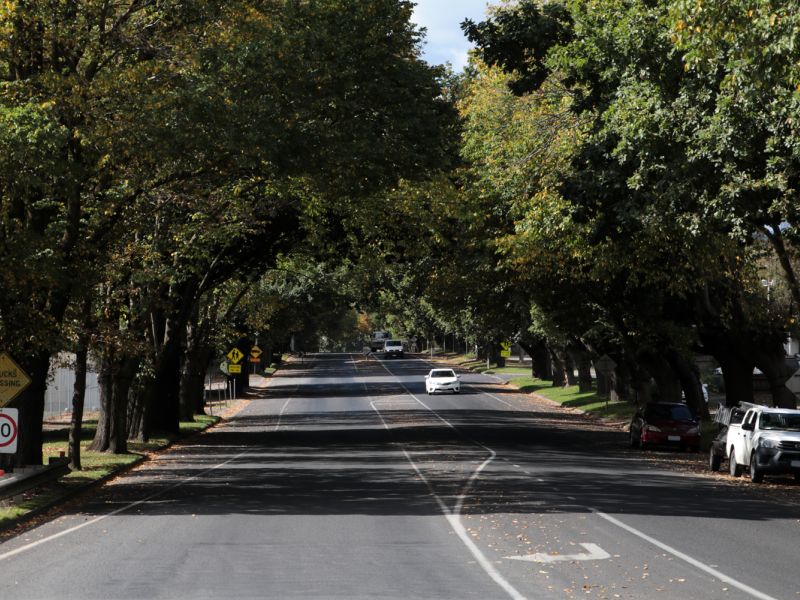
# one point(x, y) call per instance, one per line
point(350, 463)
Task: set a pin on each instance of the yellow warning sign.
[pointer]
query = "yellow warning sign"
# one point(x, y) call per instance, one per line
point(255, 351)
point(505, 349)
point(234, 369)
point(13, 380)
point(235, 355)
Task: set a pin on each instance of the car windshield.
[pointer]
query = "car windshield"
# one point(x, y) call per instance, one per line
point(779, 421)
point(443, 373)
point(394, 343)
point(667, 412)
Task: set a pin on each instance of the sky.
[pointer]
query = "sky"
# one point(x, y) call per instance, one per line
point(445, 42)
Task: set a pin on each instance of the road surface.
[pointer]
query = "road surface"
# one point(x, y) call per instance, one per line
point(343, 479)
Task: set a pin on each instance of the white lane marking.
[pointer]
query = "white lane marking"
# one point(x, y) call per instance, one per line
point(280, 414)
point(593, 552)
point(674, 551)
point(453, 516)
point(127, 507)
point(60, 534)
point(493, 397)
point(685, 557)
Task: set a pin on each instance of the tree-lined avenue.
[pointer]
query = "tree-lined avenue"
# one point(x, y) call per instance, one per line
point(342, 479)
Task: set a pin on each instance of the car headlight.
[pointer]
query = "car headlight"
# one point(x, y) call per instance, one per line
point(693, 431)
point(767, 443)
point(651, 428)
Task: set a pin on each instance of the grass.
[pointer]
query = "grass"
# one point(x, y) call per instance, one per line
point(589, 402)
point(95, 465)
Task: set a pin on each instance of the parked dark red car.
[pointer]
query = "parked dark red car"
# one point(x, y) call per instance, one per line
point(663, 424)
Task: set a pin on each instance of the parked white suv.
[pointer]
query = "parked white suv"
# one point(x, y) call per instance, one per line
point(767, 440)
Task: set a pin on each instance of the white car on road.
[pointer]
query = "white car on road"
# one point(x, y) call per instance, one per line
point(439, 380)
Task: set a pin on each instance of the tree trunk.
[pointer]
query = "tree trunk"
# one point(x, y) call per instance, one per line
point(122, 381)
point(559, 368)
point(689, 378)
point(78, 398)
point(737, 374)
point(584, 365)
point(668, 388)
point(137, 411)
point(31, 412)
point(540, 358)
point(163, 414)
point(569, 365)
point(777, 368)
point(102, 434)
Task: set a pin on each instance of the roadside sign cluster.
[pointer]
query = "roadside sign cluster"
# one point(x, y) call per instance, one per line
point(505, 349)
point(13, 381)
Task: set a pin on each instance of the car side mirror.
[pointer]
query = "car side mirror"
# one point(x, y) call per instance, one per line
point(426, 376)
point(748, 426)
point(458, 376)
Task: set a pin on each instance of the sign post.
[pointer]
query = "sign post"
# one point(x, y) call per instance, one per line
point(13, 380)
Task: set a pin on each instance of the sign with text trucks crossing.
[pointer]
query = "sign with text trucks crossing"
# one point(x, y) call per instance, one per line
point(13, 380)
point(8, 430)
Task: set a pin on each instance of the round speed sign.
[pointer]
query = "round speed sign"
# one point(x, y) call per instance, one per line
point(8, 430)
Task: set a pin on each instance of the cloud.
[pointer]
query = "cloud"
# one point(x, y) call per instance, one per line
point(445, 42)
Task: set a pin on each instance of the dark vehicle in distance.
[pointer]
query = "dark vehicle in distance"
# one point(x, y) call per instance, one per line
point(719, 445)
point(665, 424)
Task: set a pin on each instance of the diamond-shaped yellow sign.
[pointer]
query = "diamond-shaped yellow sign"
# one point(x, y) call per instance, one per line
point(255, 351)
point(235, 355)
point(13, 380)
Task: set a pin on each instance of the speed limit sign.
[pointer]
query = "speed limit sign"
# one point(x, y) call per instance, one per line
point(8, 430)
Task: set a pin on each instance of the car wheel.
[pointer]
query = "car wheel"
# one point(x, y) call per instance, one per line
point(714, 460)
point(456, 391)
point(733, 468)
point(756, 474)
point(633, 441)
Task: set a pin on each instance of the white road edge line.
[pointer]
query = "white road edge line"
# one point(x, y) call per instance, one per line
point(673, 551)
point(454, 516)
point(60, 534)
point(684, 557)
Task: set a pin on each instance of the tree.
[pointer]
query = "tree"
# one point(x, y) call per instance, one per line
point(135, 125)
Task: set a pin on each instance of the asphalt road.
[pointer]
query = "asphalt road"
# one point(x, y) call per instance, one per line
point(344, 480)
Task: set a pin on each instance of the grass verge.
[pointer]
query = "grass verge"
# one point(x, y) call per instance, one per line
point(95, 465)
point(571, 396)
point(589, 402)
